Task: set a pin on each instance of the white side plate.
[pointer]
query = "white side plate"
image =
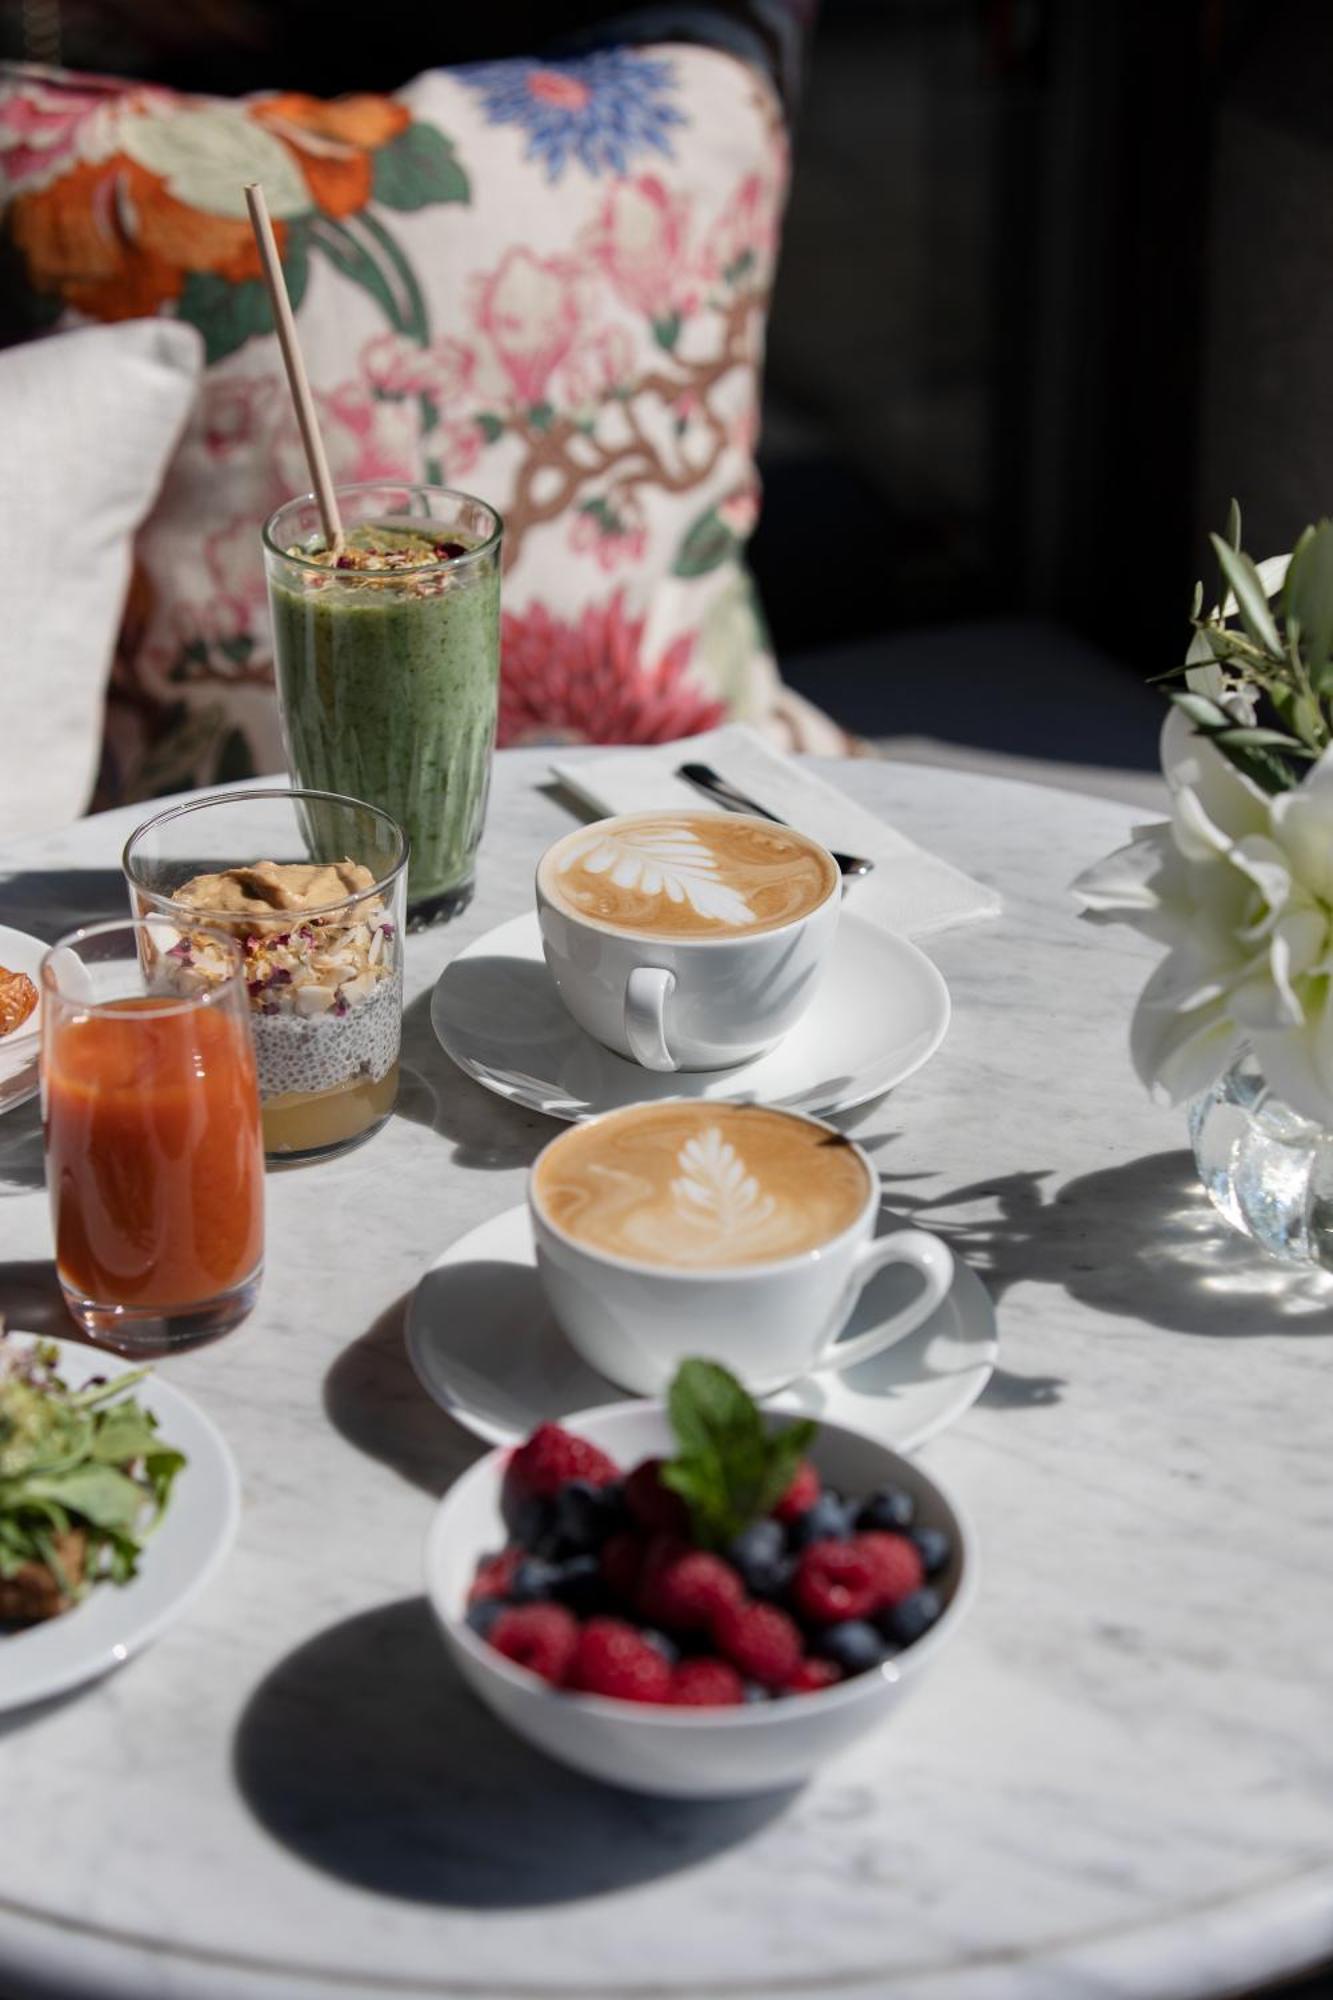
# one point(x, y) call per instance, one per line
point(180, 1556)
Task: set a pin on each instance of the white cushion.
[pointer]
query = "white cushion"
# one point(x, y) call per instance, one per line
point(88, 422)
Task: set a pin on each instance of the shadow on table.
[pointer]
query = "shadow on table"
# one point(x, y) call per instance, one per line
point(51, 901)
point(365, 1754)
point(31, 1300)
point(1140, 1240)
point(372, 1396)
point(486, 1130)
point(21, 1164)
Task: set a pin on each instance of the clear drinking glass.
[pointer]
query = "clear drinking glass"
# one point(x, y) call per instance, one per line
point(388, 679)
point(311, 886)
point(154, 1161)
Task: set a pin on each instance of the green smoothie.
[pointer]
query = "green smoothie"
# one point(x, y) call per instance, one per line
point(387, 661)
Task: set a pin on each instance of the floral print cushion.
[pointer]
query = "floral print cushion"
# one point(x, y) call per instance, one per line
point(543, 282)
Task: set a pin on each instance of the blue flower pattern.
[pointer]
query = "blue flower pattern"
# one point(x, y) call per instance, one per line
point(602, 110)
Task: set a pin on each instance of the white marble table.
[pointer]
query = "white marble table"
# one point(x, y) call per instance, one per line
point(1119, 1781)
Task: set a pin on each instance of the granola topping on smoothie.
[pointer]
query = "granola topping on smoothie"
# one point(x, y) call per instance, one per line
point(381, 553)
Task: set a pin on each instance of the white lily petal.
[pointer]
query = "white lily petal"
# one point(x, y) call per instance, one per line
point(1181, 1054)
point(1265, 864)
point(1233, 803)
point(1189, 977)
point(1303, 825)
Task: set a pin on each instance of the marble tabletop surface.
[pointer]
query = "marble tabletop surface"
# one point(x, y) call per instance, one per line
point(1117, 1781)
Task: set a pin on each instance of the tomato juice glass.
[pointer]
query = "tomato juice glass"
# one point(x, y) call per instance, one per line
point(154, 1156)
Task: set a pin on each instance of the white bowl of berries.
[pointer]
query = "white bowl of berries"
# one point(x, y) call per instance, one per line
point(696, 1599)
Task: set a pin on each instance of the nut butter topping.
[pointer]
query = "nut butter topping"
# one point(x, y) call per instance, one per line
point(270, 887)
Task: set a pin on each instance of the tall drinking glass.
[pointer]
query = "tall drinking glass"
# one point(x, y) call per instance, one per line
point(154, 1161)
point(388, 663)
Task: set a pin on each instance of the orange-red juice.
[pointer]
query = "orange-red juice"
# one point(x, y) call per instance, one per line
point(154, 1157)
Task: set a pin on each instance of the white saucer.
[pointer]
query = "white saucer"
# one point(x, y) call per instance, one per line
point(19, 952)
point(179, 1557)
point(486, 1348)
point(881, 1011)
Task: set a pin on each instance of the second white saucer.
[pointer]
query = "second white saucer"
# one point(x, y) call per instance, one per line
point(485, 1346)
point(881, 1011)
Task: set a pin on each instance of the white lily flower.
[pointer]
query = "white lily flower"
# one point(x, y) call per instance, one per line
point(1239, 886)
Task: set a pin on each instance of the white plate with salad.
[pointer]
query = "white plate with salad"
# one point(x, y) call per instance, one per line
point(118, 1502)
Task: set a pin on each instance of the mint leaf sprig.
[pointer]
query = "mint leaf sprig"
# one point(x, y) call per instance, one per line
point(730, 1468)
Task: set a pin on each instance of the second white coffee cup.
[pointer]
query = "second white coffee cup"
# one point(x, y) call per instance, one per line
point(669, 1001)
point(770, 1318)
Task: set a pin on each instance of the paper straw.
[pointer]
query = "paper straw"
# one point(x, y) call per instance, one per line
point(297, 379)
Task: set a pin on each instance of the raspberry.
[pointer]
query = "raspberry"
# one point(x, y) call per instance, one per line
point(552, 1457)
point(653, 1505)
point(541, 1637)
point(812, 1675)
point(613, 1659)
point(760, 1640)
point(706, 1684)
point(495, 1574)
point(898, 1567)
point(686, 1592)
point(801, 1495)
point(837, 1580)
point(621, 1563)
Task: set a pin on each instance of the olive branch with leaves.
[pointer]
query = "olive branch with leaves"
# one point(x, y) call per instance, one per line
point(1259, 670)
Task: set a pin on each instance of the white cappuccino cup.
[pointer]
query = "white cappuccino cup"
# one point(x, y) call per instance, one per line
point(687, 940)
point(733, 1232)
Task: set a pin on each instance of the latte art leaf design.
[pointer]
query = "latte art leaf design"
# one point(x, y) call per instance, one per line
point(715, 1188)
point(656, 863)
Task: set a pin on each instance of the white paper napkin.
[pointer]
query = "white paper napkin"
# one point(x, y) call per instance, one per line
point(910, 891)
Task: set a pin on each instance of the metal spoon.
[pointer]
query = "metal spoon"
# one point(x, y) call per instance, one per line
point(705, 779)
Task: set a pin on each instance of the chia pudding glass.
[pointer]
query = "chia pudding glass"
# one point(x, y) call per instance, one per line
point(312, 886)
point(388, 664)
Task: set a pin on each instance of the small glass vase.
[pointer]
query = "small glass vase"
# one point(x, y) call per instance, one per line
point(1266, 1168)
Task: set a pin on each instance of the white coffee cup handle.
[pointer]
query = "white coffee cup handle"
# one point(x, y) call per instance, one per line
point(927, 1255)
point(645, 1016)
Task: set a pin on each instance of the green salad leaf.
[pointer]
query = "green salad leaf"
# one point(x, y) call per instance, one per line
point(88, 1459)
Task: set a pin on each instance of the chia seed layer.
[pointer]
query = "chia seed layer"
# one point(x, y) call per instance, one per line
point(320, 1052)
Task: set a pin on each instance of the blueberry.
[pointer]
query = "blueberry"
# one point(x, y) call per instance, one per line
point(759, 1552)
point(577, 1582)
point(483, 1614)
point(533, 1580)
point(888, 1510)
point(528, 1519)
point(829, 1520)
point(584, 1515)
point(661, 1644)
point(853, 1645)
point(908, 1619)
point(754, 1691)
point(934, 1548)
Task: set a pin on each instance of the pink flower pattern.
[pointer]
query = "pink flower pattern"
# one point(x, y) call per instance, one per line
point(586, 679)
point(43, 130)
point(641, 242)
point(530, 312)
